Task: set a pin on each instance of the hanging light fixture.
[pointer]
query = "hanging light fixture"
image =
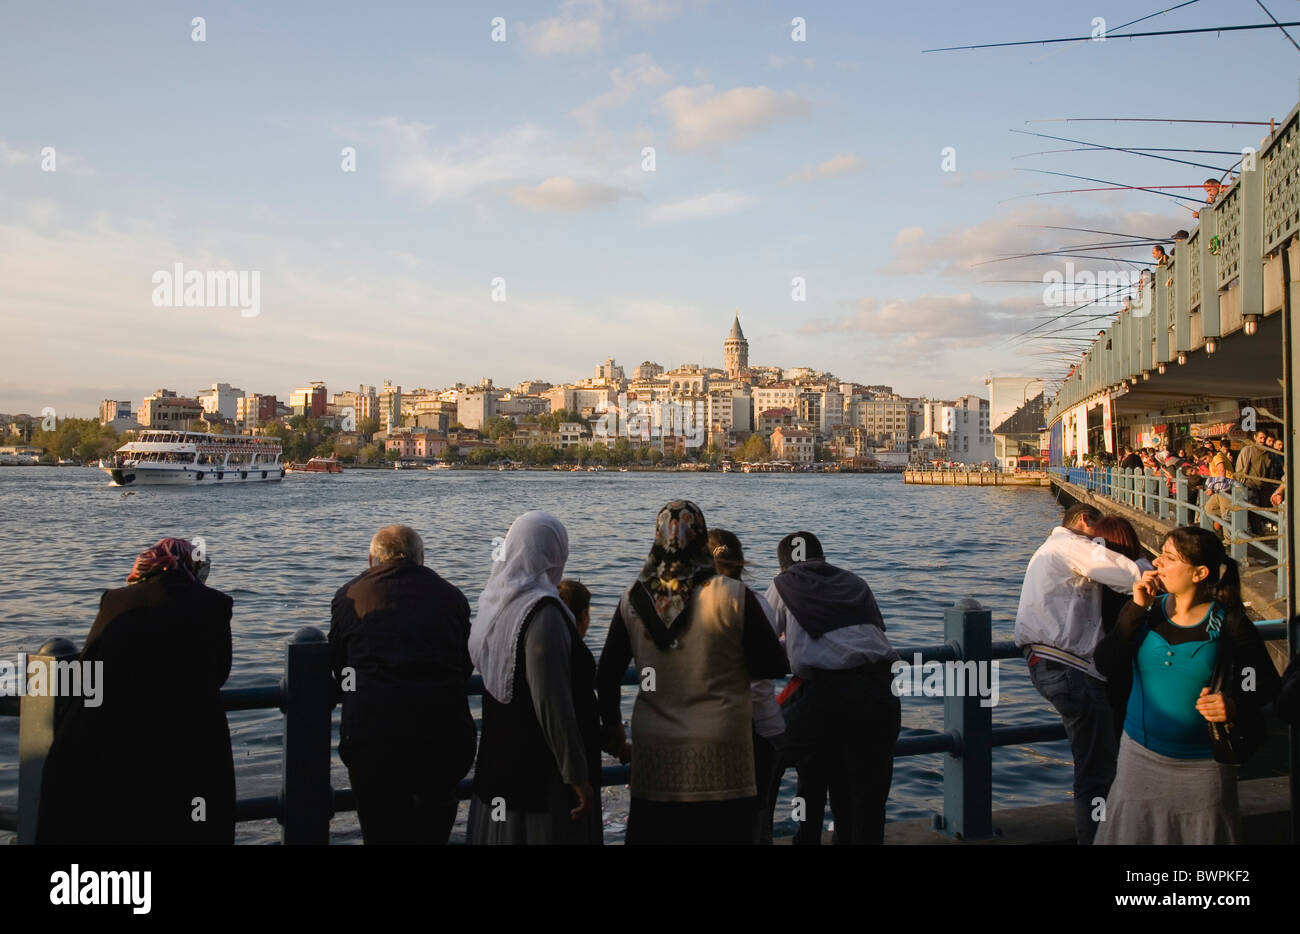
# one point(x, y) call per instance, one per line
point(1162, 369)
point(1146, 374)
point(1211, 345)
point(1252, 324)
point(1182, 358)
point(1134, 380)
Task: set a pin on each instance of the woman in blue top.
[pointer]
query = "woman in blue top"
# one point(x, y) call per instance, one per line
point(1197, 665)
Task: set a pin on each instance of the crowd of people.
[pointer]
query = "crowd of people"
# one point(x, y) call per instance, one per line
point(1144, 662)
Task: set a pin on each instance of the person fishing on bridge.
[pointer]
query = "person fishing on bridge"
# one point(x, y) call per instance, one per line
point(1058, 625)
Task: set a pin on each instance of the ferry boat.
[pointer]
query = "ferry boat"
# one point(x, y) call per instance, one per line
point(316, 465)
point(187, 457)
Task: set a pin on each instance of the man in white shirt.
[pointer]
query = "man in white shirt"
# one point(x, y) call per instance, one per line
point(1058, 626)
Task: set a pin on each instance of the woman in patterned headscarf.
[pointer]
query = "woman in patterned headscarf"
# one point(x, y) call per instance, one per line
point(698, 639)
point(148, 759)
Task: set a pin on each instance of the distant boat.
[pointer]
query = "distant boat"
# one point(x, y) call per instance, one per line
point(316, 465)
point(187, 457)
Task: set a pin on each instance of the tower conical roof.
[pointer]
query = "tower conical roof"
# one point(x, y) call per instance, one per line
point(736, 333)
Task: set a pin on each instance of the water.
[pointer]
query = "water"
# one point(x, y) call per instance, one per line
point(282, 549)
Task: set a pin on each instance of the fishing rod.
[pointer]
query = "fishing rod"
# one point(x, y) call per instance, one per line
point(1061, 252)
point(1153, 189)
point(1279, 25)
point(1133, 149)
point(1124, 149)
point(1069, 312)
point(1109, 233)
point(1113, 259)
point(1267, 123)
point(1134, 22)
point(1127, 35)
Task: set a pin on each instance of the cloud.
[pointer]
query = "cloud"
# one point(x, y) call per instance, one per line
point(702, 119)
point(713, 204)
point(10, 157)
point(640, 72)
point(781, 61)
point(653, 11)
point(562, 193)
point(959, 251)
point(580, 27)
point(843, 164)
point(921, 327)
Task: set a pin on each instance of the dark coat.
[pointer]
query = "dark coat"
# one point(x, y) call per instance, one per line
point(404, 632)
point(128, 771)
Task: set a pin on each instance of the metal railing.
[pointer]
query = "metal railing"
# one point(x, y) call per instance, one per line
point(306, 801)
point(1147, 491)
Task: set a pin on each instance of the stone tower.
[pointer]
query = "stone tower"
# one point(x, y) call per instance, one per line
point(735, 350)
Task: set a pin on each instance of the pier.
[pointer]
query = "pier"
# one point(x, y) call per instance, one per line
point(306, 801)
point(965, 476)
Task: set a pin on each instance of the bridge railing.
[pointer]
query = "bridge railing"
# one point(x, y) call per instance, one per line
point(1147, 491)
point(306, 801)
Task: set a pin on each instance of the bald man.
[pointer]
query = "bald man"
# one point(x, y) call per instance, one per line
point(399, 649)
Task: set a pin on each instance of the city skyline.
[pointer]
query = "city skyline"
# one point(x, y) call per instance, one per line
point(516, 169)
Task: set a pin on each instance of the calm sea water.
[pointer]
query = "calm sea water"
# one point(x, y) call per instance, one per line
point(282, 549)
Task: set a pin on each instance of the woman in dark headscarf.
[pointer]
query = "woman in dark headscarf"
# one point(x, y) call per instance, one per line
point(698, 640)
point(151, 762)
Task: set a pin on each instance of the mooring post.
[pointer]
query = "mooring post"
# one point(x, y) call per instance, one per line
point(37, 714)
point(968, 770)
point(306, 799)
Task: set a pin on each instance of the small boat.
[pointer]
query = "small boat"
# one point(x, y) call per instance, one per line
point(316, 465)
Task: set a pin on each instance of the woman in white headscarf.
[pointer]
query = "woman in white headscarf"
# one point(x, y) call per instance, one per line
point(538, 770)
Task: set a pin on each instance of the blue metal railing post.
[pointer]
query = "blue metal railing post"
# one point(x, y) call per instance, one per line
point(306, 799)
point(968, 770)
point(1238, 524)
point(1181, 511)
point(36, 718)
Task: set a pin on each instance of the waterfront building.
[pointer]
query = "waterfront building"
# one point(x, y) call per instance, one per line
point(610, 371)
point(782, 395)
point(308, 400)
point(771, 419)
point(1007, 396)
point(515, 405)
point(532, 387)
point(220, 400)
point(253, 410)
point(390, 407)
point(1018, 436)
point(165, 409)
point(416, 443)
point(792, 444)
point(579, 400)
point(573, 434)
point(118, 415)
point(647, 370)
point(735, 350)
point(884, 419)
point(364, 403)
point(970, 440)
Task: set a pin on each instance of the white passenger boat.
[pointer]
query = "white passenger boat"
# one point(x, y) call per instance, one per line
point(190, 457)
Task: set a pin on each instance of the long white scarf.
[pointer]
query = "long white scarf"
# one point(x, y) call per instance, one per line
point(529, 567)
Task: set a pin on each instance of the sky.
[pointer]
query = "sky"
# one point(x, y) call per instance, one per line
point(791, 141)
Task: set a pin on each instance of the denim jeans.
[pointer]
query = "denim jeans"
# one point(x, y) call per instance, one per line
point(1081, 701)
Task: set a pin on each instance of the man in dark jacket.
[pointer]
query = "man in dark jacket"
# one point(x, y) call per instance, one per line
point(399, 649)
point(842, 718)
